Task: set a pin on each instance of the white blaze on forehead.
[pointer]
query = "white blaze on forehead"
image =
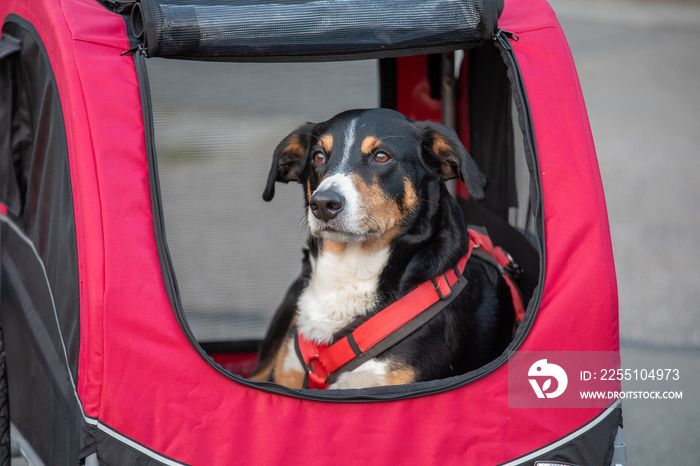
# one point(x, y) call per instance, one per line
point(349, 142)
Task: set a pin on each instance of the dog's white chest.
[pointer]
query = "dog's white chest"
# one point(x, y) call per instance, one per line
point(342, 287)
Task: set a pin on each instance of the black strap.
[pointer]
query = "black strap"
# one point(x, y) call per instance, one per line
point(295, 335)
point(8, 46)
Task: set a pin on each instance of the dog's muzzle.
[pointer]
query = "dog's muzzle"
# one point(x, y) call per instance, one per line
point(327, 204)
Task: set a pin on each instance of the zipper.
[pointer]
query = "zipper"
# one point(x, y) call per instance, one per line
point(502, 40)
point(121, 7)
point(502, 36)
point(156, 204)
point(167, 268)
point(140, 49)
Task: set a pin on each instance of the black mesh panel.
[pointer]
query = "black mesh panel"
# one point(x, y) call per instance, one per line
point(41, 199)
point(39, 272)
point(224, 29)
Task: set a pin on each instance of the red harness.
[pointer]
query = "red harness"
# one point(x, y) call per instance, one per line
point(401, 318)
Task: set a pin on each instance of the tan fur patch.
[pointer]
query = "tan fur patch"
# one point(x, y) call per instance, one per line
point(295, 147)
point(443, 150)
point(401, 376)
point(382, 214)
point(288, 378)
point(333, 247)
point(326, 143)
point(263, 375)
point(376, 244)
point(410, 197)
point(440, 144)
point(308, 190)
point(295, 150)
point(369, 144)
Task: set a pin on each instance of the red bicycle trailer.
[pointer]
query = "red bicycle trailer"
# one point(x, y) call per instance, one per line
point(121, 121)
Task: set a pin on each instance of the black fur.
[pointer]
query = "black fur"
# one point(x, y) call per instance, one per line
point(477, 326)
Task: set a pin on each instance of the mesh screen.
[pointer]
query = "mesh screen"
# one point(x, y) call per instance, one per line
point(40, 166)
point(216, 126)
point(223, 29)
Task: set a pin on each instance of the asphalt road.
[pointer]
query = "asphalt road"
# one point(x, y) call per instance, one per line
point(638, 63)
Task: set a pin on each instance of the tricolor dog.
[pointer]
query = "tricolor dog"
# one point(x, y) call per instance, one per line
point(382, 224)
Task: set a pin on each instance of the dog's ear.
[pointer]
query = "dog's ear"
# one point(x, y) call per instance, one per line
point(444, 154)
point(289, 159)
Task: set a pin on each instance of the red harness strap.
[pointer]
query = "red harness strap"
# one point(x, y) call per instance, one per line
point(505, 262)
point(321, 361)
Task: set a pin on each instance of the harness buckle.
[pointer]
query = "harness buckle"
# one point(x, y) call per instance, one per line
point(512, 268)
point(436, 285)
point(318, 377)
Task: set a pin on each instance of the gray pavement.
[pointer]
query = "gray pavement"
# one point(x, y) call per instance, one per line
point(638, 63)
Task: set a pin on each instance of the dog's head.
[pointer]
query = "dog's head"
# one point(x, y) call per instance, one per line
point(365, 172)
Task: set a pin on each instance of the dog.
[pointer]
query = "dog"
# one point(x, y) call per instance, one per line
point(381, 222)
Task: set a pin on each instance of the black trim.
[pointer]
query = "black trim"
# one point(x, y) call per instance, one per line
point(112, 450)
point(353, 344)
point(528, 130)
point(595, 444)
point(227, 347)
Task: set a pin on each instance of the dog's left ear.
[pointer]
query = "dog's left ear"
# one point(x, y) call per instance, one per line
point(288, 160)
point(444, 154)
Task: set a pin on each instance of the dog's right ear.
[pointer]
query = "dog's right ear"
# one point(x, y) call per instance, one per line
point(444, 153)
point(289, 159)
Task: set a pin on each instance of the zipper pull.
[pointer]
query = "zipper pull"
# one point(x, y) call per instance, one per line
point(503, 37)
point(122, 7)
point(139, 48)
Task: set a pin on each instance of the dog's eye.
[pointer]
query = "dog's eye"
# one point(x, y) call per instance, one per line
point(381, 157)
point(319, 157)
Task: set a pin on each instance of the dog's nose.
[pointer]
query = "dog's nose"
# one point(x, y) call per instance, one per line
point(326, 204)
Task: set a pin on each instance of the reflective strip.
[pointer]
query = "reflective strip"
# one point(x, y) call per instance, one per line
point(564, 440)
